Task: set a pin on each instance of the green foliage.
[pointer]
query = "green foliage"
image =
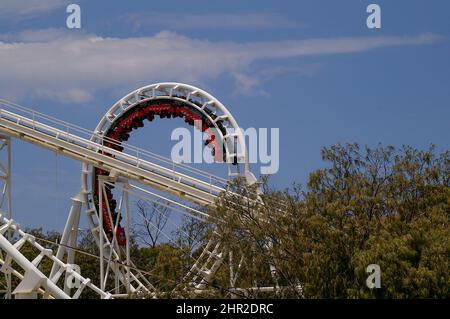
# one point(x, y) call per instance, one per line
point(377, 206)
point(372, 206)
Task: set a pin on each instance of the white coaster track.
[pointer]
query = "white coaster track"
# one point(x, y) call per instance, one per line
point(32, 279)
point(97, 151)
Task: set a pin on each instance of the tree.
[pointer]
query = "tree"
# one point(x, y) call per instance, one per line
point(192, 233)
point(373, 206)
point(366, 206)
point(154, 219)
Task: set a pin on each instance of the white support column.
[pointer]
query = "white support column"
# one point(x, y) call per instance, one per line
point(109, 250)
point(127, 234)
point(69, 235)
point(5, 201)
point(72, 242)
point(101, 232)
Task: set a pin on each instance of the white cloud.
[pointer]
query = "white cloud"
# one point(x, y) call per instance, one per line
point(75, 68)
point(22, 8)
point(39, 35)
point(250, 83)
point(177, 21)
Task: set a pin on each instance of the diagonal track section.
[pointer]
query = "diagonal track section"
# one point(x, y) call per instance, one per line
point(94, 153)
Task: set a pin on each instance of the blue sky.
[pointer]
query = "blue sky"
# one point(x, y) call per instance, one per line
point(311, 68)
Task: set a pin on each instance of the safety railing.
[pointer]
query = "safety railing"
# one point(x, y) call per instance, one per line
point(130, 155)
point(68, 132)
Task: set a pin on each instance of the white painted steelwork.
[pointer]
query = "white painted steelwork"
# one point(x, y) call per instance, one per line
point(132, 163)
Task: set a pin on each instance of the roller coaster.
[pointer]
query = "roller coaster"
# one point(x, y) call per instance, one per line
point(111, 171)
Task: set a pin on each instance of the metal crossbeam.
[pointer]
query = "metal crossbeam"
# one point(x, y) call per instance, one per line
point(33, 281)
